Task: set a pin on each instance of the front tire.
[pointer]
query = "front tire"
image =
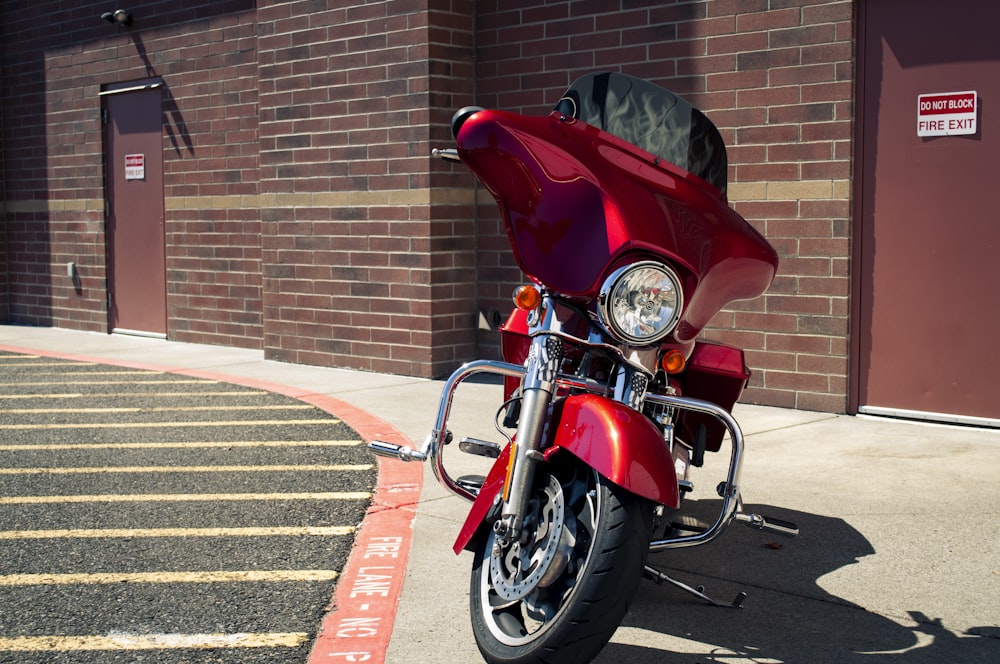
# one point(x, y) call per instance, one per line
point(559, 594)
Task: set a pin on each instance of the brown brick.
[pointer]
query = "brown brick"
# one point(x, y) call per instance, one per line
point(829, 403)
point(799, 343)
point(754, 21)
point(770, 397)
point(822, 364)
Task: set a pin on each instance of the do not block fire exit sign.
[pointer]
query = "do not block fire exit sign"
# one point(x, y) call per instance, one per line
point(947, 113)
point(135, 167)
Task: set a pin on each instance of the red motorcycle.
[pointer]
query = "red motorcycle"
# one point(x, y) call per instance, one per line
point(615, 206)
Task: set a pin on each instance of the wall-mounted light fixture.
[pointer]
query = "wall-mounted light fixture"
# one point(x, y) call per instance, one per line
point(118, 17)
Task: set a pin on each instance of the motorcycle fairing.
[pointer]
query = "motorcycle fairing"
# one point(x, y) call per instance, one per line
point(616, 441)
point(577, 200)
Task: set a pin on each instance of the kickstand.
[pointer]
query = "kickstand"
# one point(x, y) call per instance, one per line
point(699, 592)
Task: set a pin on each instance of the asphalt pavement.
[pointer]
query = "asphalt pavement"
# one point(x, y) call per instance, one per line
point(150, 516)
point(898, 557)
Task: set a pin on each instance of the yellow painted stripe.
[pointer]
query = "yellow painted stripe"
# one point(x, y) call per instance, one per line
point(20, 357)
point(113, 382)
point(161, 425)
point(94, 533)
point(184, 469)
point(129, 395)
point(194, 445)
point(124, 641)
point(141, 409)
point(235, 576)
point(119, 372)
point(180, 497)
point(47, 364)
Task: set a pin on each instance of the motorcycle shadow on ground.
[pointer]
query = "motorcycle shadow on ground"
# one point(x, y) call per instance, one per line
point(787, 616)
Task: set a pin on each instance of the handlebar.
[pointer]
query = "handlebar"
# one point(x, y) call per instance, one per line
point(448, 154)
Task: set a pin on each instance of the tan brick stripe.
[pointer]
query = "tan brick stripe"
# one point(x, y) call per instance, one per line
point(738, 191)
point(388, 198)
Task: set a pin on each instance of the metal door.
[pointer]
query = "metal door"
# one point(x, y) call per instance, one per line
point(928, 313)
point(137, 295)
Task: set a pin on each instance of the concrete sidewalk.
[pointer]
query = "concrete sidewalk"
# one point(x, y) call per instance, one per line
point(898, 560)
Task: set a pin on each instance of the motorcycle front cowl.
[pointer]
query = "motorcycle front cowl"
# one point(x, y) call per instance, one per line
point(577, 201)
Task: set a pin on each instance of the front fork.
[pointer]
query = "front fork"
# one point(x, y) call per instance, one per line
point(537, 389)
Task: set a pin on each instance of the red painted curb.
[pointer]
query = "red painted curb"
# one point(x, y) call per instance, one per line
point(359, 626)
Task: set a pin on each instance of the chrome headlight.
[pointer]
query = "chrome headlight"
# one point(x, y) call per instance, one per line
point(641, 303)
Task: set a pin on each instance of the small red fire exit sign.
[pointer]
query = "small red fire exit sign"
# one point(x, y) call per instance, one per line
point(135, 167)
point(947, 113)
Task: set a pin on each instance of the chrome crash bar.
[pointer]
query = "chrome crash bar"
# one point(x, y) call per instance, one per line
point(433, 447)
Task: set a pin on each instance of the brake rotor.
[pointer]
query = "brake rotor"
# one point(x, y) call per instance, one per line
point(519, 569)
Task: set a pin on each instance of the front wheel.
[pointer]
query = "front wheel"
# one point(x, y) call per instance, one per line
point(559, 593)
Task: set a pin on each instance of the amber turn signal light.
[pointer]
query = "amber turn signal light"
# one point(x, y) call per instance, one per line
point(672, 361)
point(527, 297)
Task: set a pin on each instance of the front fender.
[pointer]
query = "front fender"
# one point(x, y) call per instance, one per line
point(608, 436)
point(620, 444)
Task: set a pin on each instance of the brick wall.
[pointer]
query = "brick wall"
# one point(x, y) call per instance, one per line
point(56, 57)
point(211, 174)
point(4, 301)
point(777, 78)
point(367, 245)
point(45, 140)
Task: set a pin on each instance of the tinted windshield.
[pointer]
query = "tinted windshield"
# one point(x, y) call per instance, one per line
point(654, 119)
